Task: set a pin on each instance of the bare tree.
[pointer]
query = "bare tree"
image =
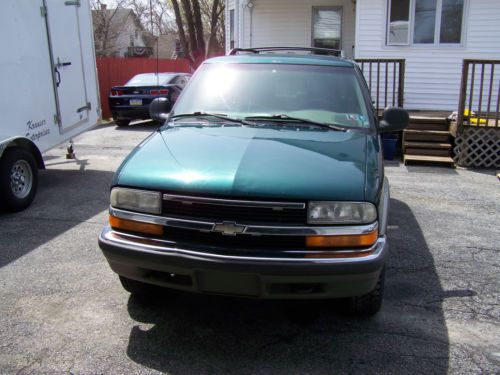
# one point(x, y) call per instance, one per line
point(180, 27)
point(155, 16)
point(199, 24)
point(217, 29)
point(195, 17)
point(106, 30)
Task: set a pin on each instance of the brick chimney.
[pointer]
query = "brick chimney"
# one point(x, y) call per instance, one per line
point(104, 6)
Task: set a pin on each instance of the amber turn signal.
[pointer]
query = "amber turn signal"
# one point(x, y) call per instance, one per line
point(135, 226)
point(343, 241)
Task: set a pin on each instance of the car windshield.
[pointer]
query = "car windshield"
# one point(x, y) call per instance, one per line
point(271, 92)
point(150, 79)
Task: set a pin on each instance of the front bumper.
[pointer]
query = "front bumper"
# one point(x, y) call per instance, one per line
point(159, 262)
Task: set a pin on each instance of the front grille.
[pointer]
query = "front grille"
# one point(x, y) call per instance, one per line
point(237, 242)
point(245, 215)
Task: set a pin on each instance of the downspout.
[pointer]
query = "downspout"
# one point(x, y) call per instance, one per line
point(241, 10)
point(250, 5)
point(237, 25)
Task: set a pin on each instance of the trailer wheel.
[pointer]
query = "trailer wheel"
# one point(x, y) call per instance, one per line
point(18, 179)
point(122, 122)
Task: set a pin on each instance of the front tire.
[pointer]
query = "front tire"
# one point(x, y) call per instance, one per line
point(369, 304)
point(18, 179)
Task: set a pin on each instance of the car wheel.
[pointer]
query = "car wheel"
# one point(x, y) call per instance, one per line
point(370, 303)
point(139, 288)
point(18, 179)
point(122, 122)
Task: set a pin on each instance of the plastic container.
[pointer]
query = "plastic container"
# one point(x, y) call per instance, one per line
point(389, 143)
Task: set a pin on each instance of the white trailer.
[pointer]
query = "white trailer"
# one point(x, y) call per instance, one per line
point(49, 88)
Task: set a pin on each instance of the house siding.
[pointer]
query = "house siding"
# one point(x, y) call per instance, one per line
point(123, 40)
point(433, 74)
point(287, 22)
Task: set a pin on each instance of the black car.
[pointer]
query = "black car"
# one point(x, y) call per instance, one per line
point(131, 101)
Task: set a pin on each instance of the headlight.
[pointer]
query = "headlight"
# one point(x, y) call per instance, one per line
point(136, 200)
point(341, 213)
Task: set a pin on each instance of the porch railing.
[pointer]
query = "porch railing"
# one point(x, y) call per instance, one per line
point(479, 94)
point(385, 79)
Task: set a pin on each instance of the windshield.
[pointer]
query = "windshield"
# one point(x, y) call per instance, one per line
point(150, 79)
point(323, 94)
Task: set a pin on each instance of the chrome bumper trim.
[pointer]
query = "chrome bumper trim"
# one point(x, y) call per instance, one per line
point(254, 230)
point(160, 246)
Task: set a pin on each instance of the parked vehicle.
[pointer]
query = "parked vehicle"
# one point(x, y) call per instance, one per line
point(268, 184)
point(131, 101)
point(50, 88)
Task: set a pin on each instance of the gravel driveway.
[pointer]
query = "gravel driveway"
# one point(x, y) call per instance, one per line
point(62, 310)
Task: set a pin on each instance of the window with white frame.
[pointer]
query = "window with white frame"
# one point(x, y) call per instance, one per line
point(326, 27)
point(425, 22)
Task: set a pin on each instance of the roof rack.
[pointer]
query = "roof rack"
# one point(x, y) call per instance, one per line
point(313, 50)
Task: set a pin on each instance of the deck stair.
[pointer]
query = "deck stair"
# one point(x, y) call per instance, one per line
point(427, 139)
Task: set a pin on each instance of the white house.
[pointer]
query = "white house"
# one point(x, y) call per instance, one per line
point(433, 36)
point(118, 32)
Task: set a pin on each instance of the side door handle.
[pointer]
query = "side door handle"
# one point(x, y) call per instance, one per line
point(87, 107)
point(57, 76)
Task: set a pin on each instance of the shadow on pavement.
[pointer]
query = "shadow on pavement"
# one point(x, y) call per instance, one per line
point(142, 126)
point(208, 334)
point(65, 198)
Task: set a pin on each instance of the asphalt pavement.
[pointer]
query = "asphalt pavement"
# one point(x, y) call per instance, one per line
point(63, 311)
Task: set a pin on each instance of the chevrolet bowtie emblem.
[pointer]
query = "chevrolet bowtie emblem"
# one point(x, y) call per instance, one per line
point(229, 228)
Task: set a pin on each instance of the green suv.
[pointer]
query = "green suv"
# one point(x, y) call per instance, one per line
point(265, 181)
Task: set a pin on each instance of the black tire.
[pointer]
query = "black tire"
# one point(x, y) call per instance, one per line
point(139, 288)
point(369, 304)
point(18, 179)
point(122, 122)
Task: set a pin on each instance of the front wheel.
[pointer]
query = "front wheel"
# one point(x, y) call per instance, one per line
point(370, 303)
point(18, 179)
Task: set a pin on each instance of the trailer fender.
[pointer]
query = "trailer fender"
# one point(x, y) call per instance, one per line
point(25, 143)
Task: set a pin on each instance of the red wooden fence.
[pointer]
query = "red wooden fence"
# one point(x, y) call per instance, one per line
point(113, 71)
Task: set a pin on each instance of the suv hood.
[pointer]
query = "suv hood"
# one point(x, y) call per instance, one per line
point(234, 161)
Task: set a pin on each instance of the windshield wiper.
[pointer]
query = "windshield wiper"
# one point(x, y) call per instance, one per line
point(297, 119)
point(214, 115)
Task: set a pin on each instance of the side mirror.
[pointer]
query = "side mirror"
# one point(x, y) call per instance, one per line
point(159, 109)
point(394, 119)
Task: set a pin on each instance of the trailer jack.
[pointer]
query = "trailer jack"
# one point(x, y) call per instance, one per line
point(70, 153)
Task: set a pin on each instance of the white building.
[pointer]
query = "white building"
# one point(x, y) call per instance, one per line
point(118, 32)
point(433, 36)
